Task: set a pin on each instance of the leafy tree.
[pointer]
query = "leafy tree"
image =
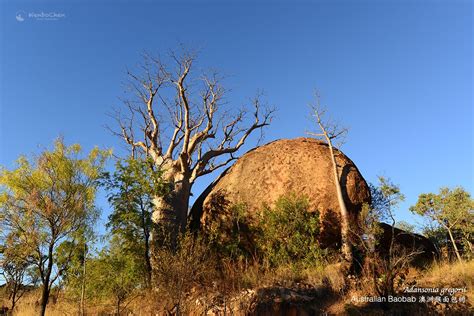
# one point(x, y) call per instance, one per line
point(132, 188)
point(437, 235)
point(403, 225)
point(370, 217)
point(71, 257)
point(46, 202)
point(15, 271)
point(228, 228)
point(289, 233)
point(113, 274)
point(453, 210)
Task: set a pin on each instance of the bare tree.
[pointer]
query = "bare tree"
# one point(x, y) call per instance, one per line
point(331, 132)
point(186, 128)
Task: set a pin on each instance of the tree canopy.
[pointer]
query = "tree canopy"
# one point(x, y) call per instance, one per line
point(46, 202)
point(453, 211)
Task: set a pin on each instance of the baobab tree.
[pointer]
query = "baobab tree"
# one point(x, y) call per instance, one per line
point(334, 135)
point(186, 127)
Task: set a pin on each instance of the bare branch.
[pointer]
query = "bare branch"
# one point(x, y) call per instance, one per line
point(225, 146)
point(330, 131)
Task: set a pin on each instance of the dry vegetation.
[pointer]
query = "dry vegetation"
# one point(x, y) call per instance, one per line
point(322, 288)
point(215, 273)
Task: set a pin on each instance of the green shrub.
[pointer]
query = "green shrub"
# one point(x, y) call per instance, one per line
point(288, 233)
point(228, 228)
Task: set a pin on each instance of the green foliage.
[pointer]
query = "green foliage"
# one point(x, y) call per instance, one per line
point(227, 233)
point(403, 225)
point(437, 234)
point(17, 274)
point(449, 207)
point(370, 230)
point(70, 257)
point(391, 195)
point(132, 187)
point(46, 202)
point(453, 211)
point(112, 274)
point(226, 228)
point(385, 197)
point(288, 232)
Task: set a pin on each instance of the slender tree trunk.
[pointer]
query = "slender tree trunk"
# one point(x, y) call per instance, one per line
point(44, 300)
point(146, 240)
point(46, 286)
point(389, 277)
point(345, 239)
point(118, 307)
point(456, 250)
point(83, 286)
point(147, 258)
point(14, 297)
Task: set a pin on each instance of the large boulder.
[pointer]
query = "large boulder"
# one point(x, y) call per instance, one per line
point(420, 248)
point(302, 166)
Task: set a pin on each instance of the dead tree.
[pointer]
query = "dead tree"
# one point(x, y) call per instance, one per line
point(185, 127)
point(331, 132)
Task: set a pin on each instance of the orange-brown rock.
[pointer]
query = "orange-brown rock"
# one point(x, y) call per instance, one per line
point(302, 166)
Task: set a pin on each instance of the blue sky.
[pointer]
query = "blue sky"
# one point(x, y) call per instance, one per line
point(397, 73)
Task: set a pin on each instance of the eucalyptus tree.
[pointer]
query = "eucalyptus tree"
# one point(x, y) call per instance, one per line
point(46, 202)
point(452, 210)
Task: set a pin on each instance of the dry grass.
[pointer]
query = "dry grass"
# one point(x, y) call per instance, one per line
point(441, 275)
point(450, 275)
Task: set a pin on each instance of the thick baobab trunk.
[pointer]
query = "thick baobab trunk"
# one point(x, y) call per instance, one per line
point(345, 225)
point(180, 201)
point(171, 211)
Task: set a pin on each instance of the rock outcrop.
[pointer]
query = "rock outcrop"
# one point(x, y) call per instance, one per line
point(302, 166)
point(422, 248)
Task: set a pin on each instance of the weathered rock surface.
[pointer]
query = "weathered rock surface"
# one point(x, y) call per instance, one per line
point(423, 249)
point(301, 166)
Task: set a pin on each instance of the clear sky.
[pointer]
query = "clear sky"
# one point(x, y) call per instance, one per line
point(397, 73)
